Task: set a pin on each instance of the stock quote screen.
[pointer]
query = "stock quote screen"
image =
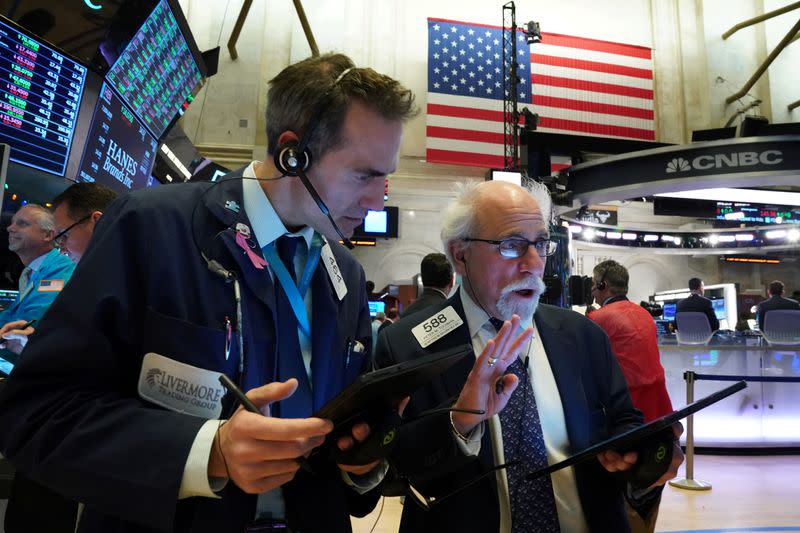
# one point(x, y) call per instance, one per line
point(41, 93)
point(757, 213)
point(119, 151)
point(157, 75)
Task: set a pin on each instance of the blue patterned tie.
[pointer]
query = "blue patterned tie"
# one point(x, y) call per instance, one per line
point(533, 506)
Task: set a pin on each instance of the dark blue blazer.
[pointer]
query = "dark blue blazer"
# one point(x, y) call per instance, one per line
point(699, 304)
point(428, 298)
point(71, 415)
point(596, 405)
point(771, 304)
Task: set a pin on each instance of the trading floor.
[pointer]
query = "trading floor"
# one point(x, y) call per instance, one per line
point(749, 494)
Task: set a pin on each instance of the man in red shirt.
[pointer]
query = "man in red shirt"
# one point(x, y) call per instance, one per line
point(632, 332)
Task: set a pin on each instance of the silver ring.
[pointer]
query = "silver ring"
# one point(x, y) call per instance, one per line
point(491, 361)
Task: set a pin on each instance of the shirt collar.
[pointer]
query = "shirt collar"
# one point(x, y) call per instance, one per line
point(36, 263)
point(267, 225)
point(477, 317)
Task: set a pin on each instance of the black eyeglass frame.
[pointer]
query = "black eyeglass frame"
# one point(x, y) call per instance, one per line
point(550, 246)
point(64, 233)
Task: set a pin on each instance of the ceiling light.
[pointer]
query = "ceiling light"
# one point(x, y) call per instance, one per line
point(776, 234)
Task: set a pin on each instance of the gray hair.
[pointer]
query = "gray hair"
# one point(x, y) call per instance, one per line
point(45, 217)
point(458, 220)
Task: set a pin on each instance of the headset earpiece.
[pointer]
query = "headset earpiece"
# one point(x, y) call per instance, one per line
point(600, 285)
point(290, 160)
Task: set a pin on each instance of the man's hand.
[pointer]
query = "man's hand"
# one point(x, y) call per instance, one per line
point(258, 453)
point(615, 462)
point(488, 388)
point(359, 433)
point(16, 335)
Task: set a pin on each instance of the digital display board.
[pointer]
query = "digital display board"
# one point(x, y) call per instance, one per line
point(157, 75)
point(719, 308)
point(41, 93)
point(119, 151)
point(758, 214)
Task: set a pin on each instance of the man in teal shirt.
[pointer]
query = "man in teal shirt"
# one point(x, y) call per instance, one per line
point(31, 236)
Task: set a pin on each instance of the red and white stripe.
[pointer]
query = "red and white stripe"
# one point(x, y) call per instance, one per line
point(590, 87)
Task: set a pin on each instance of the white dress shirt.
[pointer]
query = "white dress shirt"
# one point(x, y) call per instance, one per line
point(551, 415)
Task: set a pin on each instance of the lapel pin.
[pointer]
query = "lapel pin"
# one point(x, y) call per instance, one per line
point(231, 205)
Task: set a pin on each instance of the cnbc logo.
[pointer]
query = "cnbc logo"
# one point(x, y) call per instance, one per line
point(729, 160)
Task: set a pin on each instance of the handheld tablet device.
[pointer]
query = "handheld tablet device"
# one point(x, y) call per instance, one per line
point(637, 437)
point(373, 398)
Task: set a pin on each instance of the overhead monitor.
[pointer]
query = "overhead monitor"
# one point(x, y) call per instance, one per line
point(41, 94)
point(669, 311)
point(119, 150)
point(158, 74)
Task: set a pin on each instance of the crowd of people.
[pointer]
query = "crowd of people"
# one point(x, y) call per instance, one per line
point(115, 401)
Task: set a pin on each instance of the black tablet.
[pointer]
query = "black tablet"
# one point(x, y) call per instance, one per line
point(386, 387)
point(628, 440)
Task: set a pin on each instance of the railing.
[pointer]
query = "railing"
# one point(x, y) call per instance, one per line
point(689, 483)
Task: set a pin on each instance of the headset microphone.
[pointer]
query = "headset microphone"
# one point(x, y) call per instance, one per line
point(324, 208)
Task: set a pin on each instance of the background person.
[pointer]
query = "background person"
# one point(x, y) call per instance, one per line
point(31, 236)
point(775, 301)
point(437, 282)
point(698, 303)
point(634, 341)
point(103, 409)
point(571, 392)
point(76, 211)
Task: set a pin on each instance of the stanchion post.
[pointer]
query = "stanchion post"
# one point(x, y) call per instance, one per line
point(689, 483)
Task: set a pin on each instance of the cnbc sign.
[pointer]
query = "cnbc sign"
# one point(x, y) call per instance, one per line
point(725, 160)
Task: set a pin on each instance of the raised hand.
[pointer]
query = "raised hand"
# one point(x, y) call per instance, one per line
point(488, 387)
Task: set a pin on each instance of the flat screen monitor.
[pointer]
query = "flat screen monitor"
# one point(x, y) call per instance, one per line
point(669, 311)
point(719, 308)
point(7, 297)
point(41, 94)
point(379, 224)
point(119, 151)
point(663, 327)
point(157, 75)
point(376, 307)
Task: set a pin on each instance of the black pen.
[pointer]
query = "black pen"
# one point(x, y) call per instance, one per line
point(250, 406)
point(28, 324)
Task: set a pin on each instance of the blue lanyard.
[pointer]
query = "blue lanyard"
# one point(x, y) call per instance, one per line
point(296, 293)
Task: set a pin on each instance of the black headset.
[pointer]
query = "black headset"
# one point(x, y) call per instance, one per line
point(600, 284)
point(293, 158)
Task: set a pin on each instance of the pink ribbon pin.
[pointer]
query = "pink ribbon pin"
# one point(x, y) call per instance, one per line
point(242, 234)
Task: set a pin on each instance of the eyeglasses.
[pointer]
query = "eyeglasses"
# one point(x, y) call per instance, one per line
point(64, 234)
point(516, 247)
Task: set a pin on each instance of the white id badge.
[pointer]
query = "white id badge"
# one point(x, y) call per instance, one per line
point(437, 326)
point(180, 387)
point(333, 272)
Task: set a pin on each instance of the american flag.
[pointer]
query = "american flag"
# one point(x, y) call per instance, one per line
point(576, 85)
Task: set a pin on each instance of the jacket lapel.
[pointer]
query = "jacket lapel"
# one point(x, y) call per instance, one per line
point(566, 370)
point(222, 201)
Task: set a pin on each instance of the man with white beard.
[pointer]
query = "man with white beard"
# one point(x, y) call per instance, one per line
point(554, 368)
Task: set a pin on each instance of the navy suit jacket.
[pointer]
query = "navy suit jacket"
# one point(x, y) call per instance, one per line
point(699, 304)
point(596, 405)
point(773, 303)
point(71, 415)
point(428, 298)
